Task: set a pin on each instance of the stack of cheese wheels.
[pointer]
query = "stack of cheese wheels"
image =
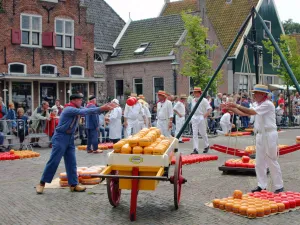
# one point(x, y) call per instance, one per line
point(147, 141)
point(86, 176)
point(298, 140)
point(63, 180)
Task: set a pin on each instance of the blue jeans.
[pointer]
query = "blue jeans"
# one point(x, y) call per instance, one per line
point(62, 146)
point(92, 139)
point(102, 131)
point(245, 121)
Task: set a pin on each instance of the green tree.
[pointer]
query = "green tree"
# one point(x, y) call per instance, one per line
point(291, 51)
point(291, 27)
point(196, 63)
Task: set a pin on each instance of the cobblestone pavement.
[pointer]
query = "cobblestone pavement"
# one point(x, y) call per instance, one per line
point(19, 203)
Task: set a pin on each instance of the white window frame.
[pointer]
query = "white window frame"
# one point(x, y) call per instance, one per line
point(71, 75)
point(134, 88)
point(25, 68)
point(53, 1)
point(31, 31)
point(265, 36)
point(64, 34)
point(142, 48)
point(247, 78)
point(153, 87)
point(50, 75)
point(100, 56)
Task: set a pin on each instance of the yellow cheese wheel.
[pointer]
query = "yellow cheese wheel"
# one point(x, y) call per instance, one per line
point(137, 150)
point(133, 141)
point(63, 183)
point(119, 145)
point(91, 181)
point(126, 149)
point(148, 150)
point(145, 141)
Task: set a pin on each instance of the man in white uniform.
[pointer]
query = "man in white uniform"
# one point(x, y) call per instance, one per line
point(179, 110)
point(199, 121)
point(131, 115)
point(164, 114)
point(266, 138)
point(115, 123)
point(225, 123)
point(145, 116)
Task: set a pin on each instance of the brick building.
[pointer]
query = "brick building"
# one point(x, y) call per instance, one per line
point(46, 50)
point(142, 58)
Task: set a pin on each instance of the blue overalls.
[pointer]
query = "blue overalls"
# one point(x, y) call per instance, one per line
point(63, 144)
point(92, 126)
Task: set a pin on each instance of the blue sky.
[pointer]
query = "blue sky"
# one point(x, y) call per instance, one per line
point(142, 9)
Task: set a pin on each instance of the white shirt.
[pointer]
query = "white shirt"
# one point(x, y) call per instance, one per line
point(164, 110)
point(225, 119)
point(132, 112)
point(180, 108)
point(265, 117)
point(201, 110)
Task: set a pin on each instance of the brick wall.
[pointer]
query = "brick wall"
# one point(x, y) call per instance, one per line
point(46, 55)
point(147, 71)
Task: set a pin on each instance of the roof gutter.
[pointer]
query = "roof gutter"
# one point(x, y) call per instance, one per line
point(122, 33)
point(154, 59)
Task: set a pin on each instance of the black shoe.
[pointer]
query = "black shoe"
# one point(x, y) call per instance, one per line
point(195, 152)
point(257, 189)
point(181, 142)
point(206, 149)
point(36, 146)
point(279, 190)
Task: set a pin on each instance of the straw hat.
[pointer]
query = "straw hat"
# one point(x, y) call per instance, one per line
point(183, 96)
point(133, 95)
point(162, 93)
point(197, 89)
point(141, 97)
point(261, 88)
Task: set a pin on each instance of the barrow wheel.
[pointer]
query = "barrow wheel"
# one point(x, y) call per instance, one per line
point(113, 191)
point(178, 179)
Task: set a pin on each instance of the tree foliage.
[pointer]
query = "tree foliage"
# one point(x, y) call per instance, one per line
point(291, 27)
point(196, 63)
point(291, 51)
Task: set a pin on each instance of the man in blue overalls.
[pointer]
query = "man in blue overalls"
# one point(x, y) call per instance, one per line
point(92, 126)
point(63, 142)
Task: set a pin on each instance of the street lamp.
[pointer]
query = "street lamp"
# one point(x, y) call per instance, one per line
point(175, 65)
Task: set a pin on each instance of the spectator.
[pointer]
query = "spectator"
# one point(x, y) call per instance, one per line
point(153, 115)
point(58, 106)
point(10, 116)
point(280, 100)
point(245, 119)
point(39, 116)
point(296, 98)
point(218, 101)
point(20, 128)
point(279, 113)
point(3, 112)
point(51, 125)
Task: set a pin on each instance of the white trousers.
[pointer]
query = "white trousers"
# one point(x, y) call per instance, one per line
point(266, 157)
point(199, 127)
point(225, 127)
point(132, 127)
point(141, 125)
point(179, 124)
point(163, 125)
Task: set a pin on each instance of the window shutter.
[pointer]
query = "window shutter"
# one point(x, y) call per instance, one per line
point(48, 39)
point(78, 42)
point(54, 39)
point(15, 36)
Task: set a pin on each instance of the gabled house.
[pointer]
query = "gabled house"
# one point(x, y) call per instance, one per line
point(141, 61)
point(223, 19)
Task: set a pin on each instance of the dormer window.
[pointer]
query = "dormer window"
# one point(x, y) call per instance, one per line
point(141, 49)
point(97, 57)
point(116, 53)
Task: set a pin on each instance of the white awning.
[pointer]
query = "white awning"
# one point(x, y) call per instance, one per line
point(274, 87)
